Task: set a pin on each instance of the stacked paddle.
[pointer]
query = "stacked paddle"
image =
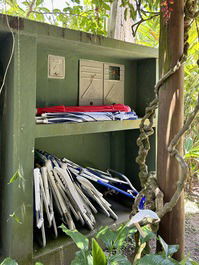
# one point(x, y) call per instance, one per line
point(68, 189)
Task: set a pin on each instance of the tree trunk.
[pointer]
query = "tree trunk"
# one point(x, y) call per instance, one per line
point(118, 27)
point(170, 121)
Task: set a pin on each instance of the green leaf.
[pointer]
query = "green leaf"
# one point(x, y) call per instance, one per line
point(99, 257)
point(56, 10)
point(15, 177)
point(9, 261)
point(16, 218)
point(118, 260)
point(44, 9)
point(192, 262)
point(148, 236)
point(82, 257)
point(80, 240)
point(188, 261)
point(39, 2)
point(152, 259)
point(114, 239)
point(122, 233)
point(105, 6)
point(188, 144)
point(25, 3)
point(107, 236)
point(164, 246)
point(172, 249)
point(38, 263)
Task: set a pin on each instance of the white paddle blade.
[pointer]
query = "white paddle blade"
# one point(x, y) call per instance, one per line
point(141, 215)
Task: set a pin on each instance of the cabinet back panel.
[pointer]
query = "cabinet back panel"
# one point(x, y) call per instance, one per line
point(65, 91)
point(88, 150)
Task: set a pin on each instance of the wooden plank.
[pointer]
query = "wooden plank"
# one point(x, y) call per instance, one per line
point(18, 145)
point(79, 41)
point(63, 129)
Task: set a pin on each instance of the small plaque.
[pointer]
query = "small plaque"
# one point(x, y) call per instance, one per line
point(56, 67)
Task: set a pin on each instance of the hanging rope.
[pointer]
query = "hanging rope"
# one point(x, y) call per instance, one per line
point(12, 50)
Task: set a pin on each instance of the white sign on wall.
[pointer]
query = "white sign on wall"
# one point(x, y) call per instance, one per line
point(100, 83)
point(56, 67)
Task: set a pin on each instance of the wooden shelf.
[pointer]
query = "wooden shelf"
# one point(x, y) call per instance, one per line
point(64, 129)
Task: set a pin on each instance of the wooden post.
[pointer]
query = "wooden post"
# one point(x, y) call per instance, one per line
point(170, 121)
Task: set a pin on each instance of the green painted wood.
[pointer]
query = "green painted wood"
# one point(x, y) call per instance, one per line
point(52, 130)
point(18, 143)
point(146, 79)
point(78, 41)
point(87, 149)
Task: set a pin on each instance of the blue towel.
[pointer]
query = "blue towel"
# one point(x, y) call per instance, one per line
point(61, 117)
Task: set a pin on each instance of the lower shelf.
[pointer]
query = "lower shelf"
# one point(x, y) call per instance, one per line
point(61, 251)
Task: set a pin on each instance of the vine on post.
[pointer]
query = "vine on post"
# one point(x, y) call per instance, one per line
point(148, 180)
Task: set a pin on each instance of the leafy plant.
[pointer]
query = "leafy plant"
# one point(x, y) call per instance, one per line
point(191, 156)
point(96, 255)
point(112, 241)
point(86, 15)
point(164, 257)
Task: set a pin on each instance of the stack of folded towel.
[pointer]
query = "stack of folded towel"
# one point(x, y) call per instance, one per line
point(60, 114)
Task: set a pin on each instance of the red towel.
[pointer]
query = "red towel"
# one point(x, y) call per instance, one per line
point(103, 108)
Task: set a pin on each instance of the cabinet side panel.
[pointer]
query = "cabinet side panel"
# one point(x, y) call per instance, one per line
point(146, 80)
point(18, 146)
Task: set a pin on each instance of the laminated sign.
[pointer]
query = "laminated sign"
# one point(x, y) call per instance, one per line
point(113, 83)
point(91, 83)
point(101, 83)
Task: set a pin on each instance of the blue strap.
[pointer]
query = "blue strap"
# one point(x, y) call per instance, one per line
point(115, 188)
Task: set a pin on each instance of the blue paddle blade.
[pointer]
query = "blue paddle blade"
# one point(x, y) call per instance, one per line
point(142, 202)
point(116, 189)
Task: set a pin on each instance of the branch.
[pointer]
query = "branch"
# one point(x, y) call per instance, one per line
point(30, 8)
point(137, 24)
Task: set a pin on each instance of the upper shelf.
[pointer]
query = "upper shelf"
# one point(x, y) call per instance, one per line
point(63, 129)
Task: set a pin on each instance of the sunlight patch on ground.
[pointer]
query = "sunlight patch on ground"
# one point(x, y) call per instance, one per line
point(191, 207)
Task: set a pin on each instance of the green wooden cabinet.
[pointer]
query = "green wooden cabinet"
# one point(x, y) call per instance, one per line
point(102, 144)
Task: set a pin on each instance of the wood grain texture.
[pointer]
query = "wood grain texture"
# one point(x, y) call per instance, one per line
point(170, 121)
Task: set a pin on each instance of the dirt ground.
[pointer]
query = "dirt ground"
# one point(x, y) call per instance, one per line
point(192, 236)
point(192, 222)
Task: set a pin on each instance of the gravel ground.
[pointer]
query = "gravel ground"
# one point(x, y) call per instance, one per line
point(192, 236)
point(192, 222)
